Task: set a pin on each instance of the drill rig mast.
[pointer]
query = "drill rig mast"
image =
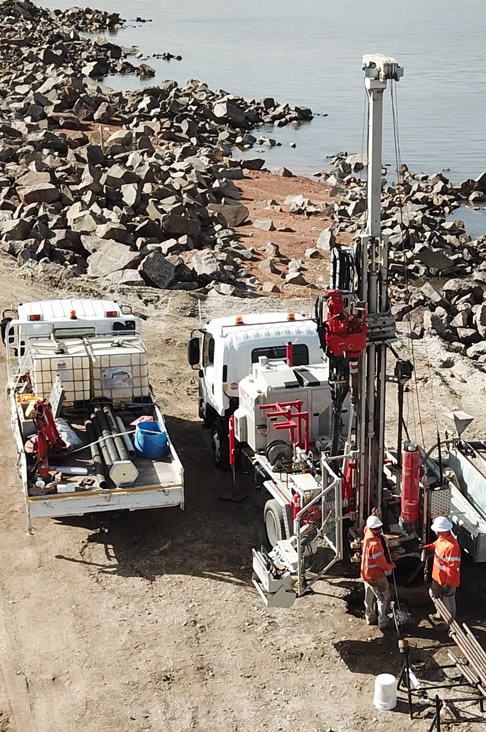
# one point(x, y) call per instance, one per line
point(359, 282)
point(374, 290)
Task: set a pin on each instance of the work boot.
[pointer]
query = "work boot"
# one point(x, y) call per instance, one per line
point(371, 621)
point(386, 626)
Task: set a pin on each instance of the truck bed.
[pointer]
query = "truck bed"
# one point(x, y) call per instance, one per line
point(159, 482)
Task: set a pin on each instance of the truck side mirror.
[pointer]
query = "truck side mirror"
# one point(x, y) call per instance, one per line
point(4, 325)
point(193, 351)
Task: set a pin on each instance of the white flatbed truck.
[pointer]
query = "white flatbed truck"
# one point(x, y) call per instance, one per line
point(93, 351)
point(224, 351)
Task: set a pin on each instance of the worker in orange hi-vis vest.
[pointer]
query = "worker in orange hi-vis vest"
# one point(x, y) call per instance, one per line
point(446, 572)
point(374, 566)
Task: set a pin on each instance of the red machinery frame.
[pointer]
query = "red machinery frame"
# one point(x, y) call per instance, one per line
point(296, 421)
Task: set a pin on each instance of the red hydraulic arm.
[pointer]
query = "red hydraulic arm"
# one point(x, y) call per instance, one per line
point(48, 437)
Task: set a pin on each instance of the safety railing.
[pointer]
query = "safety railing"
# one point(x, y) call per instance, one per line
point(318, 527)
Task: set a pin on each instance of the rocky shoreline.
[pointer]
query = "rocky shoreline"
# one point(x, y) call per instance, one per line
point(155, 203)
point(140, 189)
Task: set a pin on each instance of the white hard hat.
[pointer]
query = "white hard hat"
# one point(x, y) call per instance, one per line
point(441, 523)
point(373, 522)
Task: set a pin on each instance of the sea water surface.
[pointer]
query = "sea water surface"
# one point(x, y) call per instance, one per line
point(309, 53)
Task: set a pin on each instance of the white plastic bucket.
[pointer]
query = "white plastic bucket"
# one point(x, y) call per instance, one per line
point(385, 692)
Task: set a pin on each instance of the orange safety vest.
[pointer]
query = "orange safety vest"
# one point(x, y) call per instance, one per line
point(373, 561)
point(447, 561)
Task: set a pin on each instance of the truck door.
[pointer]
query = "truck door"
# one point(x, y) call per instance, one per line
point(17, 361)
point(207, 382)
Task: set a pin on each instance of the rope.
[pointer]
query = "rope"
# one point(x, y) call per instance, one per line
point(118, 434)
point(431, 387)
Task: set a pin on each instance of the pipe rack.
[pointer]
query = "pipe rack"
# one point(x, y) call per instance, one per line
point(467, 643)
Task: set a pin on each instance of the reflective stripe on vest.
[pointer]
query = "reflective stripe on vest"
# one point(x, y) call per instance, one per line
point(447, 559)
point(367, 560)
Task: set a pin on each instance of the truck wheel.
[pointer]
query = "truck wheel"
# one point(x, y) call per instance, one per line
point(220, 447)
point(273, 517)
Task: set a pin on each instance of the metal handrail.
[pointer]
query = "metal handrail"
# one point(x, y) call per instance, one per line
point(334, 486)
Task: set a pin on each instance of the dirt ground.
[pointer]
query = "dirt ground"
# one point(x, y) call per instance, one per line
point(149, 621)
point(301, 231)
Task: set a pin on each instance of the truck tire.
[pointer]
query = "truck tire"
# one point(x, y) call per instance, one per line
point(220, 446)
point(273, 517)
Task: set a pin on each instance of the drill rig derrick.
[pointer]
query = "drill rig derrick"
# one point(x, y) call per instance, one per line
point(359, 284)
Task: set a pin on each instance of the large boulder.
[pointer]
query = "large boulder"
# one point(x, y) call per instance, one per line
point(111, 257)
point(33, 178)
point(40, 193)
point(230, 112)
point(478, 349)
point(480, 320)
point(437, 320)
point(157, 270)
point(326, 240)
point(178, 225)
point(126, 277)
point(434, 258)
point(433, 295)
point(15, 229)
point(226, 188)
point(457, 288)
point(235, 215)
point(206, 266)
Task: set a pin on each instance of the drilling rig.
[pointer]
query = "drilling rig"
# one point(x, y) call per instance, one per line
point(347, 472)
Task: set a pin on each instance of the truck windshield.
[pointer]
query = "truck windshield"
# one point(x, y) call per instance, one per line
point(300, 353)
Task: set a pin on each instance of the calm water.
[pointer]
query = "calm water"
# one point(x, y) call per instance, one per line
point(309, 53)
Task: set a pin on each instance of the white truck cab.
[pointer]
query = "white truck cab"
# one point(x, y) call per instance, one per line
point(225, 349)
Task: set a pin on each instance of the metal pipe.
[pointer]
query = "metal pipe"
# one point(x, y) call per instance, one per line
point(401, 390)
point(112, 426)
point(101, 441)
point(70, 469)
point(125, 436)
point(441, 467)
point(473, 659)
point(465, 641)
point(106, 434)
point(468, 673)
point(95, 455)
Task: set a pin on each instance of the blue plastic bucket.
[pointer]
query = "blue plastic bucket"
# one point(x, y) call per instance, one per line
point(151, 440)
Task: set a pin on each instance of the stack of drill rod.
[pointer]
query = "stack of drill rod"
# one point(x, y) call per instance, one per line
point(468, 644)
point(106, 444)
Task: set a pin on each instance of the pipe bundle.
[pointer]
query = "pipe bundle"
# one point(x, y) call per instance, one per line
point(465, 640)
point(103, 430)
